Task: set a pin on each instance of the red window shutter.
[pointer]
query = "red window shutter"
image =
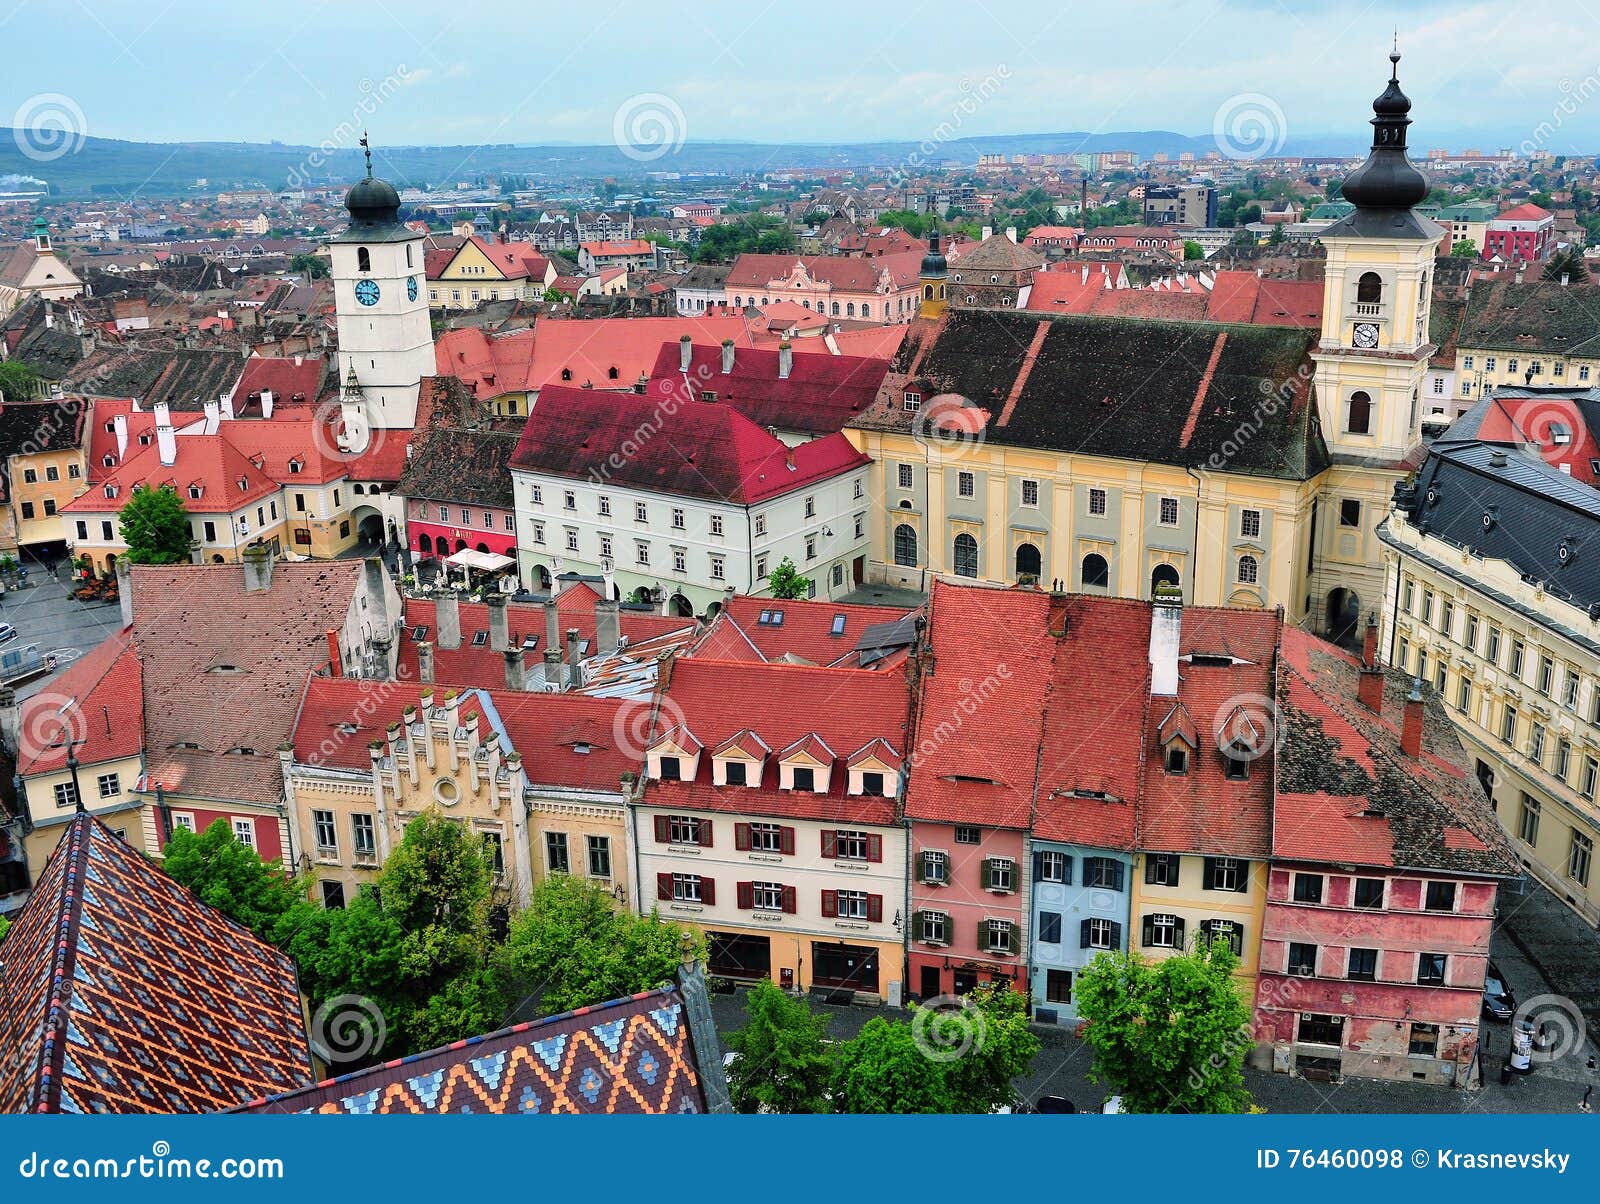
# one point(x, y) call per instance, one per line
point(830, 903)
point(875, 908)
point(830, 843)
point(663, 885)
point(708, 892)
point(741, 836)
point(705, 833)
point(745, 895)
point(789, 900)
point(874, 848)
point(786, 840)
point(663, 829)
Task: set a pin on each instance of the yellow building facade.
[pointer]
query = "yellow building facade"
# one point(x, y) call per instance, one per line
point(1198, 897)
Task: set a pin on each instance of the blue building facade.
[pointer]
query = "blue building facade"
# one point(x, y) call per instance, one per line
point(1080, 906)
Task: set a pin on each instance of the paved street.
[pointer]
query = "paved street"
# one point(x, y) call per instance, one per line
point(1062, 1066)
point(46, 615)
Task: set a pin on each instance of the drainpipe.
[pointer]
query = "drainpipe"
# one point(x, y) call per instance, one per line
point(1194, 545)
point(1394, 624)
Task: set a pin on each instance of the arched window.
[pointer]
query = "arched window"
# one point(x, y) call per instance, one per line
point(611, 373)
point(927, 292)
point(850, 309)
point(1249, 570)
point(425, 544)
point(738, 301)
point(905, 544)
point(1029, 562)
point(966, 556)
point(1096, 572)
point(408, 255)
point(1359, 421)
point(836, 309)
point(363, 260)
point(1369, 288)
point(1163, 575)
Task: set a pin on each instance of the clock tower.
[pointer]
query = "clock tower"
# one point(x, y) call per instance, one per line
point(1371, 359)
point(381, 305)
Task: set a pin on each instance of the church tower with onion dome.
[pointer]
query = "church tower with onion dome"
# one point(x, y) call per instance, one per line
point(381, 306)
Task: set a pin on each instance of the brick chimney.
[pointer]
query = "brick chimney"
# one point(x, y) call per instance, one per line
point(1411, 726)
point(1056, 623)
point(335, 657)
point(1369, 689)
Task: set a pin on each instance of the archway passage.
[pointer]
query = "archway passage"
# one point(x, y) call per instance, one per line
point(1343, 615)
point(1163, 575)
point(369, 527)
point(681, 606)
point(1029, 562)
point(425, 544)
point(541, 578)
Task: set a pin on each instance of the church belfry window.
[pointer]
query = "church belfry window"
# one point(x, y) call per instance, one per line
point(364, 259)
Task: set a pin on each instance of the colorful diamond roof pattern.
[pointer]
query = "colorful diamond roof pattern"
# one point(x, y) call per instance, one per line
point(121, 992)
point(630, 1056)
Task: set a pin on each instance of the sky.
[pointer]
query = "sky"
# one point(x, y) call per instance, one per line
point(1507, 73)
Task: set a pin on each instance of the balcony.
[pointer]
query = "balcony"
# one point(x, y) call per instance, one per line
point(1368, 309)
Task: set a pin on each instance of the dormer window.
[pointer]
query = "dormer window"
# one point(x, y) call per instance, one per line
point(802, 777)
point(671, 769)
point(244, 484)
point(872, 783)
point(195, 491)
point(1177, 758)
point(1237, 763)
point(1560, 435)
point(296, 464)
point(734, 773)
point(109, 461)
point(111, 491)
point(144, 439)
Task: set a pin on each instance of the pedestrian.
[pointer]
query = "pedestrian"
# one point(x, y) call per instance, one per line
point(1583, 1104)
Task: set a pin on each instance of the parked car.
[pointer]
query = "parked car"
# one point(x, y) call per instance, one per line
point(7, 633)
point(1498, 1001)
point(1113, 1106)
point(1054, 1105)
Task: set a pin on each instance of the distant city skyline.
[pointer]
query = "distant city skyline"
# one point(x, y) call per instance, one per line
point(421, 74)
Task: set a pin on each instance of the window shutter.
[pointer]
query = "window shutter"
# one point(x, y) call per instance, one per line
point(1177, 933)
point(786, 840)
point(988, 873)
point(1083, 935)
point(830, 903)
point(918, 927)
point(1149, 931)
point(1038, 867)
point(663, 829)
point(922, 867)
point(790, 901)
point(830, 843)
point(663, 881)
point(1238, 938)
point(1116, 935)
point(1117, 869)
point(1150, 863)
point(744, 894)
point(705, 833)
point(741, 837)
point(874, 848)
point(875, 908)
point(1066, 870)
point(1016, 937)
point(708, 892)
point(1208, 882)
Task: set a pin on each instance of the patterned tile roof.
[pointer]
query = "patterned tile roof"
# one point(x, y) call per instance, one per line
point(652, 1054)
point(124, 993)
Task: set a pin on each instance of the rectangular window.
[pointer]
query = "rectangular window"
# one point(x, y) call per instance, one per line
point(1586, 780)
point(766, 896)
point(967, 835)
point(1470, 636)
point(244, 831)
point(641, 552)
point(1058, 986)
point(1424, 1041)
point(1101, 934)
point(1508, 724)
point(1102, 872)
point(1308, 888)
point(716, 524)
point(1054, 867)
point(333, 895)
point(1408, 596)
point(766, 838)
point(903, 475)
point(687, 888)
point(999, 874)
point(109, 785)
point(1447, 616)
point(1169, 512)
point(1030, 493)
point(1350, 514)
point(850, 846)
point(1163, 931)
point(1161, 869)
point(555, 853)
point(935, 867)
point(1491, 651)
point(1369, 893)
point(538, 533)
point(1302, 959)
point(1430, 969)
point(327, 832)
point(1250, 524)
point(853, 905)
point(1363, 965)
point(935, 928)
point(599, 856)
point(999, 936)
point(803, 777)
point(363, 836)
point(1427, 606)
point(1441, 896)
point(1547, 674)
point(605, 503)
point(1518, 654)
point(1464, 693)
point(718, 568)
point(1528, 823)
point(1563, 758)
point(1578, 858)
point(1225, 873)
point(1097, 501)
point(966, 484)
point(1050, 927)
point(1569, 689)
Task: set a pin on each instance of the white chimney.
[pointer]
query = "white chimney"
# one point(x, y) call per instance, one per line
point(988, 231)
point(213, 416)
point(163, 413)
point(227, 406)
point(685, 353)
point(49, 319)
point(167, 444)
point(785, 360)
point(119, 424)
point(727, 356)
point(266, 403)
point(1166, 626)
point(1011, 233)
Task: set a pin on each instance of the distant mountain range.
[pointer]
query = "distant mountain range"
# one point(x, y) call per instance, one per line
point(112, 168)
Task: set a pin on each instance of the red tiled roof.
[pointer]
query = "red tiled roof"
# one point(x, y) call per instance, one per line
point(698, 449)
point(287, 377)
point(629, 246)
point(820, 395)
point(1527, 212)
point(226, 477)
point(847, 273)
point(830, 712)
point(806, 633)
point(97, 700)
point(513, 260)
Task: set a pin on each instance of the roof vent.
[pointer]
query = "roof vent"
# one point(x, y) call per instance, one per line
point(1497, 459)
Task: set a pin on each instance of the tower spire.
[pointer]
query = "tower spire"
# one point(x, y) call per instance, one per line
point(366, 149)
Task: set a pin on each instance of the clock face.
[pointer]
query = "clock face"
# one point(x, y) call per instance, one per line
point(367, 292)
point(411, 289)
point(1366, 334)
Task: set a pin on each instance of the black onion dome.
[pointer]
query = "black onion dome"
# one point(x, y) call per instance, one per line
point(934, 262)
point(1388, 179)
point(373, 202)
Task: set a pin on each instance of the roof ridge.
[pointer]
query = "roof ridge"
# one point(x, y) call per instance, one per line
point(53, 1052)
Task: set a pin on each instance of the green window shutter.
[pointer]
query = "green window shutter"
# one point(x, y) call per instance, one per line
point(988, 873)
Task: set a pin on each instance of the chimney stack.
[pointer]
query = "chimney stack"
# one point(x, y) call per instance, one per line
point(119, 424)
point(1011, 233)
point(258, 561)
point(125, 591)
point(1056, 623)
point(988, 232)
point(447, 619)
point(574, 660)
point(266, 403)
point(499, 628)
point(785, 360)
point(552, 669)
point(1369, 688)
point(335, 657)
point(166, 437)
point(727, 356)
point(1411, 725)
point(552, 626)
point(1369, 642)
point(516, 670)
point(685, 353)
point(377, 595)
point(425, 661)
point(1166, 628)
point(607, 626)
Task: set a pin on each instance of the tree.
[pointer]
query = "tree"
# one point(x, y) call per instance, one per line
point(1464, 248)
point(914, 224)
point(155, 526)
point(995, 1018)
point(18, 382)
point(313, 266)
point(1193, 250)
point(785, 1062)
point(225, 874)
point(1277, 237)
point(5, 926)
point(882, 1069)
point(785, 581)
point(1569, 263)
point(1169, 1036)
point(571, 948)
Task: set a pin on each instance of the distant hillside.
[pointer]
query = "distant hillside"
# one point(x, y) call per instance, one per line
point(112, 168)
